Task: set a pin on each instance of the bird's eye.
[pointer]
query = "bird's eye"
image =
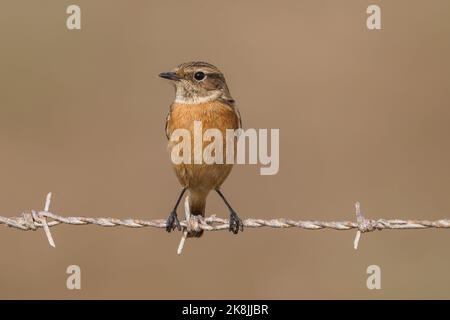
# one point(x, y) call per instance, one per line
point(199, 76)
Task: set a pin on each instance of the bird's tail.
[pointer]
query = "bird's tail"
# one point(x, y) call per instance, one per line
point(197, 205)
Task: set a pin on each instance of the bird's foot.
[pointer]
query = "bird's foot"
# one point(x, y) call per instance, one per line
point(235, 223)
point(173, 222)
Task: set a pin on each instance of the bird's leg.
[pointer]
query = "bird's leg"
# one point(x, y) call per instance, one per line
point(172, 221)
point(235, 222)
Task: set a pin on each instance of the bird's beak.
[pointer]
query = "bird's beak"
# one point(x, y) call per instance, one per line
point(169, 75)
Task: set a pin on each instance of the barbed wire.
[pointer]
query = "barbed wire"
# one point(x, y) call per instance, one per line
point(39, 219)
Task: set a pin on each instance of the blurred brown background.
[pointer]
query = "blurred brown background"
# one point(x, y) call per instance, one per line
point(363, 115)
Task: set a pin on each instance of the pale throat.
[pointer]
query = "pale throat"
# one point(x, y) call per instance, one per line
point(185, 97)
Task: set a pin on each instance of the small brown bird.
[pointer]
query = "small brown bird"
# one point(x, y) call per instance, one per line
point(201, 94)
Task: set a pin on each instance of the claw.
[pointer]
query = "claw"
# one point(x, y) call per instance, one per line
point(235, 223)
point(173, 222)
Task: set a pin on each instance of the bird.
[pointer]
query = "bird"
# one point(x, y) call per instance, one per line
point(201, 94)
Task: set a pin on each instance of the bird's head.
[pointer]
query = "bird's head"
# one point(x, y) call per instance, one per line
point(198, 82)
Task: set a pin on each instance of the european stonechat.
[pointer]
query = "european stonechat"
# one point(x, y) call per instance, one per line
point(201, 94)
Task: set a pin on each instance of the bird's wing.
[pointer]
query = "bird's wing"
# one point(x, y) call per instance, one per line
point(238, 114)
point(228, 100)
point(167, 122)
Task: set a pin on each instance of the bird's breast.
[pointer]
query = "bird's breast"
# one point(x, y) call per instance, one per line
point(213, 114)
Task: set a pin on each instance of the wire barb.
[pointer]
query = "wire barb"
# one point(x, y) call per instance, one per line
point(48, 200)
point(185, 230)
point(361, 225)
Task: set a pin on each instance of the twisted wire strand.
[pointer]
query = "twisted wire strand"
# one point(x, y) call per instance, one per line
point(33, 220)
point(45, 219)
